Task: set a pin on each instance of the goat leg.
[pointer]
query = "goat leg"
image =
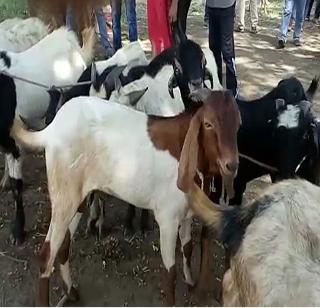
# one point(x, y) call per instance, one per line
point(144, 221)
point(129, 218)
point(204, 276)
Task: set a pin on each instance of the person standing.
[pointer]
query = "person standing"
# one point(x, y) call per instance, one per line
point(102, 25)
point(116, 21)
point(240, 14)
point(161, 15)
point(286, 17)
point(221, 15)
point(183, 9)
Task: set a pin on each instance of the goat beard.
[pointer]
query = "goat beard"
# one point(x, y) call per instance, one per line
point(227, 187)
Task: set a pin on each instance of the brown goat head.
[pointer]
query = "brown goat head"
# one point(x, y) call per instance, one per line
point(211, 140)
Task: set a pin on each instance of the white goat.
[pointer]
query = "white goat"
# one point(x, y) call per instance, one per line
point(91, 145)
point(20, 34)
point(55, 60)
point(274, 245)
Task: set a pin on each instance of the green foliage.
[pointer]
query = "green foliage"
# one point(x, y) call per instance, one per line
point(12, 8)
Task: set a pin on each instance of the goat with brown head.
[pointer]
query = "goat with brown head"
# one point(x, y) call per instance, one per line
point(211, 141)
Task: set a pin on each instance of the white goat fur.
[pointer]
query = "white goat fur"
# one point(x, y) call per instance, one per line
point(101, 136)
point(130, 55)
point(157, 100)
point(20, 34)
point(56, 60)
point(277, 263)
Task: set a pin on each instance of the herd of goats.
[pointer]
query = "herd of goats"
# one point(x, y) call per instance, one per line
point(163, 135)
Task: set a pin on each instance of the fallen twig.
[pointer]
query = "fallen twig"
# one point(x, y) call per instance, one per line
point(3, 254)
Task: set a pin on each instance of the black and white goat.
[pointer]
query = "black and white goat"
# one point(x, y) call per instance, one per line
point(57, 60)
point(278, 134)
point(273, 244)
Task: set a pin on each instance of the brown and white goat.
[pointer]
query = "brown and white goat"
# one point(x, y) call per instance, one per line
point(91, 145)
point(274, 245)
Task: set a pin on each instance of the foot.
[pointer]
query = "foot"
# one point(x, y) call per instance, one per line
point(297, 42)
point(307, 18)
point(18, 234)
point(254, 29)
point(205, 24)
point(240, 29)
point(281, 44)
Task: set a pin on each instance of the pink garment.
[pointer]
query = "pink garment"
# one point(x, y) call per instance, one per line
point(158, 25)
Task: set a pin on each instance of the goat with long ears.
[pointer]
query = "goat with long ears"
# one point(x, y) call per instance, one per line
point(105, 155)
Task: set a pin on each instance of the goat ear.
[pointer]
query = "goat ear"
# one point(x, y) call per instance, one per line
point(135, 96)
point(189, 155)
point(305, 107)
point(172, 83)
point(280, 104)
point(113, 81)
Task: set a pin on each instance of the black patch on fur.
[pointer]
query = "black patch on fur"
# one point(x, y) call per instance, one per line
point(6, 58)
point(8, 104)
point(313, 88)
point(17, 228)
point(235, 222)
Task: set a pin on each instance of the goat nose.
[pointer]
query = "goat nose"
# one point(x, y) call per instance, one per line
point(232, 166)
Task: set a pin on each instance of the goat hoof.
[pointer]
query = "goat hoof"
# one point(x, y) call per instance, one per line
point(18, 235)
point(73, 295)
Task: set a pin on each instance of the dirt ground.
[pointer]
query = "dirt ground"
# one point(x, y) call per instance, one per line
point(122, 270)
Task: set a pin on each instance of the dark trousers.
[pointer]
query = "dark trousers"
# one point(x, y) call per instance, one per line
point(221, 42)
point(317, 11)
point(116, 21)
point(183, 9)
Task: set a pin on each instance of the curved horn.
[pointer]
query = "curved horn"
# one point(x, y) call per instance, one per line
point(208, 76)
point(200, 95)
point(172, 83)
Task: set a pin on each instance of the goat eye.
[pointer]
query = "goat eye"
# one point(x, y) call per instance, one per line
point(208, 125)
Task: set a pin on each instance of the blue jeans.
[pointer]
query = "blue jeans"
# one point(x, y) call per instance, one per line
point(293, 16)
point(299, 18)
point(116, 21)
point(104, 39)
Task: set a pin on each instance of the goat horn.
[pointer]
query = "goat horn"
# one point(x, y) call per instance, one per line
point(93, 72)
point(208, 76)
point(200, 95)
point(171, 85)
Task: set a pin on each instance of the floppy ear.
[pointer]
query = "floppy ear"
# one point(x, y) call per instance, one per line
point(189, 155)
point(135, 96)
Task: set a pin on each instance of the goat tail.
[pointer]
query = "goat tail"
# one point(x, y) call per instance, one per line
point(32, 140)
point(210, 212)
point(313, 87)
point(89, 40)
